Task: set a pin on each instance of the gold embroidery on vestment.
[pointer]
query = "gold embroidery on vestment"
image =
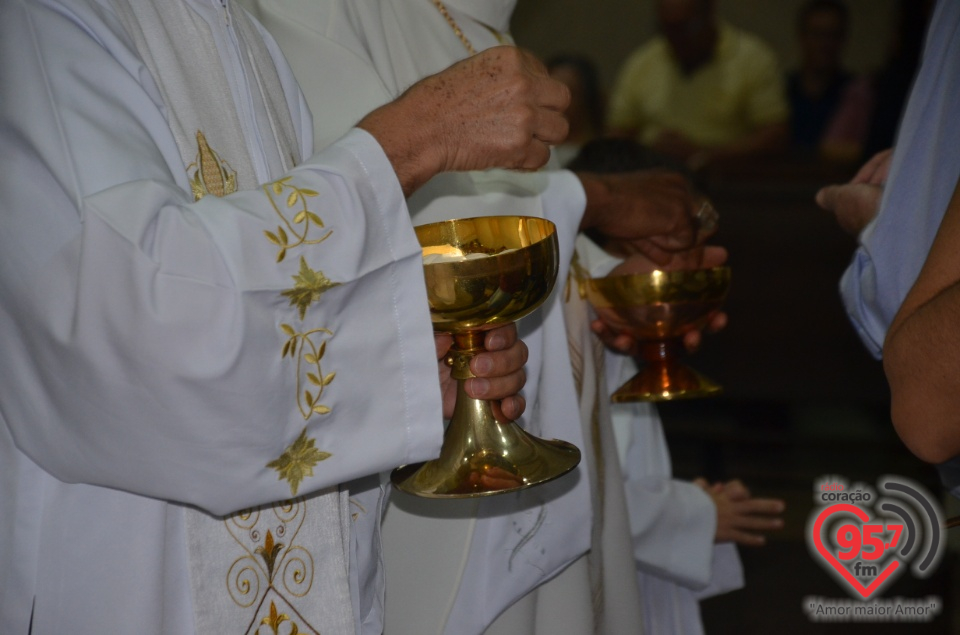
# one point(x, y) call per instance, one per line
point(308, 286)
point(298, 460)
point(299, 224)
point(275, 567)
point(275, 619)
point(307, 351)
point(212, 174)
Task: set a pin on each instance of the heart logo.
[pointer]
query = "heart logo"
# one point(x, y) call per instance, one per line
point(828, 556)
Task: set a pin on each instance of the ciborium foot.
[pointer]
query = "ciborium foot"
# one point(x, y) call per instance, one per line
point(664, 378)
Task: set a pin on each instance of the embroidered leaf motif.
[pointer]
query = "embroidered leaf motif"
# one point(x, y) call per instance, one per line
point(297, 461)
point(304, 348)
point(298, 227)
point(308, 286)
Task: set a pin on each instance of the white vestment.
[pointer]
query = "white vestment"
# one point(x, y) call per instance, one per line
point(161, 355)
point(454, 567)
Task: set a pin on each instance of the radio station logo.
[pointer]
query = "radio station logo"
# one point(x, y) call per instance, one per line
point(866, 538)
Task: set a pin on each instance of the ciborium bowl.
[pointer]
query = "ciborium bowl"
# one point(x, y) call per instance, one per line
point(481, 273)
point(657, 309)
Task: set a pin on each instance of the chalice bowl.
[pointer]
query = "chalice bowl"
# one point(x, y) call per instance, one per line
point(658, 309)
point(481, 273)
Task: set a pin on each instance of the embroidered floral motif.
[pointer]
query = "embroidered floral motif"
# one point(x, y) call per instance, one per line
point(300, 224)
point(308, 286)
point(297, 461)
point(213, 175)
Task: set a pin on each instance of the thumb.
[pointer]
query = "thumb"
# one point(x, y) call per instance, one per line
point(826, 198)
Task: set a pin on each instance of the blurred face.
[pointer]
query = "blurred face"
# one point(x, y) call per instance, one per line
point(822, 37)
point(688, 26)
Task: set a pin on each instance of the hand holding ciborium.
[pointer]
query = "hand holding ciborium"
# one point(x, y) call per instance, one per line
point(481, 273)
point(658, 309)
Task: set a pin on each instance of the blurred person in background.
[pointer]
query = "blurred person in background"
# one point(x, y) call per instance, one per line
point(830, 107)
point(891, 84)
point(702, 91)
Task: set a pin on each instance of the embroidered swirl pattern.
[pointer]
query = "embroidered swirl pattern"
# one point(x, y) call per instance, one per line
point(274, 565)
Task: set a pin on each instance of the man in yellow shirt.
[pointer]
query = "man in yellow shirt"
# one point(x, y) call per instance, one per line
point(702, 90)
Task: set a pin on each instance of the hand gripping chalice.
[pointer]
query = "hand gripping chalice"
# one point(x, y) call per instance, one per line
point(489, 271)
point(658, 309)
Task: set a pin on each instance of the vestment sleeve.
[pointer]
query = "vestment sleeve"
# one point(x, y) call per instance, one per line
point(672, 522)
point(223, 353)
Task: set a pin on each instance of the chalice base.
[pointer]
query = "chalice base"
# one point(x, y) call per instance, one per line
point(489, 474)
point(482, 456)
point(666, 382)
point(662, 377)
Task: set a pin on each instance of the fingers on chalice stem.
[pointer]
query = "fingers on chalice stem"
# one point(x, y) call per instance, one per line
point(465, 347)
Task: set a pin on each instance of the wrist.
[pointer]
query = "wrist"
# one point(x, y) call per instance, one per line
point(410, 141)
point(598, 194)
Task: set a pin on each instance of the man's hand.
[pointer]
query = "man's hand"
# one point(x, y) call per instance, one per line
point(499, 373)
point(699, 258)
point(498, 108)
point(740, 517)
point(857, 202)
point(650, 212)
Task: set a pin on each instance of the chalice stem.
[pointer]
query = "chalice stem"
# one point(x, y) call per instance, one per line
point(660, 362)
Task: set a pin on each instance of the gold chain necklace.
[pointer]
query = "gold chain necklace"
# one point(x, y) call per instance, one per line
point(456, 27)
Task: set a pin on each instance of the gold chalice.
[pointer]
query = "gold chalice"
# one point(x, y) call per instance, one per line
point(492, 270)
point(658, 309)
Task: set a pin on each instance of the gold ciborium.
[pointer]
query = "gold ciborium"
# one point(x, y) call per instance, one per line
point(492, 270)
point(658, 309)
